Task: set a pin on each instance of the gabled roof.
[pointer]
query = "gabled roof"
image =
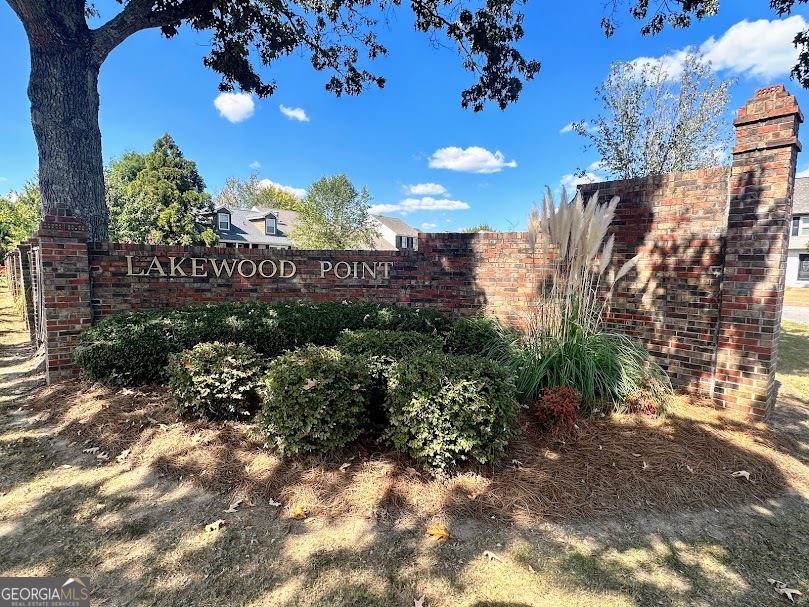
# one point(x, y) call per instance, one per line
point(246, 226)
point(397, 225)
point(800, 199)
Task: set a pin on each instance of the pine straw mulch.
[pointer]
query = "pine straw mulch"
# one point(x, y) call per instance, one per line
point(608, 466)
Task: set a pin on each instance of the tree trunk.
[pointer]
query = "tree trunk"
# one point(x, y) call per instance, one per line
point(63, 90)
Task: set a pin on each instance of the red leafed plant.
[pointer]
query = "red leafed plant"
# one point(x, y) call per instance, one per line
point(558, 407)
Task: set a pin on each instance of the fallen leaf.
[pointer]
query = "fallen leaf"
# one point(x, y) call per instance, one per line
point(344, 467)
point(531, 569)
point(272, 502)
point(91, 450)
point(636, 455)
point(234, 507)
point(21, 439)
point(310, 383)
point(124, 454)
point(516, 462)
point(437, 531)
point(645, 465)
point(742, 474)
point(419, 602)
point(689, 468)
point(216, 525)
point(355, 387)
point(298, 512)
point(781, 588)
point(492, 556)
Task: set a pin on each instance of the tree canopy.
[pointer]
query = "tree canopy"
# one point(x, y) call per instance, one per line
point(338, 36)
point(334, 215)
point(165, 201)
point(20, 214)
point(481, 227)
point(254, 192)
point(655, 121)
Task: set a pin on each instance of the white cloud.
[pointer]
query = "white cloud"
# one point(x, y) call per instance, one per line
point(762, 48)
point(426, 203)
point(428, 226)
point(294, 113)
point(255, 165)
point(473, 159)
point(296, 192)
point(759, 49)
point(568, 128)
point(235, 106)
point(803, 173)
point(426, 189)
point(3, 179)
point(570, 181)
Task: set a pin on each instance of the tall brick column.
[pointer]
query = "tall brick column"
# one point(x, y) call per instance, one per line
point(760, 211)
point(65, 279)
point(26, 290)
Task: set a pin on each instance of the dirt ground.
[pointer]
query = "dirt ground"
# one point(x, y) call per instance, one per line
point(138, 529)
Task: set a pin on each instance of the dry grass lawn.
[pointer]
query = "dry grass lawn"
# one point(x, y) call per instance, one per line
point(623, 512)
point(796, 296)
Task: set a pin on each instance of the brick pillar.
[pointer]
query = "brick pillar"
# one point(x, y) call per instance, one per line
point(65, 280)
point(25, 286)
point(759, 216)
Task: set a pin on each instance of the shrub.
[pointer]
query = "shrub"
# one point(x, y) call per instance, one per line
point(558, 407)
point(215, 381)
point(475, 336)
point(446, 409)
point(133, 349)
point(313, 400)
point(126, 350)
point(383, 349)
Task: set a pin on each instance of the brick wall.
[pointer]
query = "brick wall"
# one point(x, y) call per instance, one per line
point(705, 298)
point(65, 283)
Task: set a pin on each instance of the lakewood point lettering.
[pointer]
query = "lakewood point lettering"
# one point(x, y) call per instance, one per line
point(208, 267)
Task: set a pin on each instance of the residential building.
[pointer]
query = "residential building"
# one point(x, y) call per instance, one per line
point(395, 234)
point(798, 254)
point(258, 228)
point(253, 228)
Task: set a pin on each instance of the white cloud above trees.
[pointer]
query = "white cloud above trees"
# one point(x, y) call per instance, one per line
point(425, 203)
point(473, 159)
point(294, 113)
point(755, 49)
point(296, 192)
point(235, 107)
point(426, 189)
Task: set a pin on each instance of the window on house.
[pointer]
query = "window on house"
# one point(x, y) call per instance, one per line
point(269, 226)
point(223, 222)
point(803, 228)
point(405, 242)
point(803, 267)
point(796, 225)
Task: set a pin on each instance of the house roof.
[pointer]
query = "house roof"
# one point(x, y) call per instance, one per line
point(800, 198)
point(246, 226)
point(398, 226)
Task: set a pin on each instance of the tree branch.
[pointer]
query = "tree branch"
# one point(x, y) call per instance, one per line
point(139, 15)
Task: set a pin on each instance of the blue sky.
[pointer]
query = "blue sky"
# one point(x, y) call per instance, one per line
point(422, 157)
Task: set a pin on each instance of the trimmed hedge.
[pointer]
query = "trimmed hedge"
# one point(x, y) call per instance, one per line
point(383, 349)
point(215, 381)
point(314, 400)
point(446, 409)
point(475, 336)
point(125, 351)
point(134, 349)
